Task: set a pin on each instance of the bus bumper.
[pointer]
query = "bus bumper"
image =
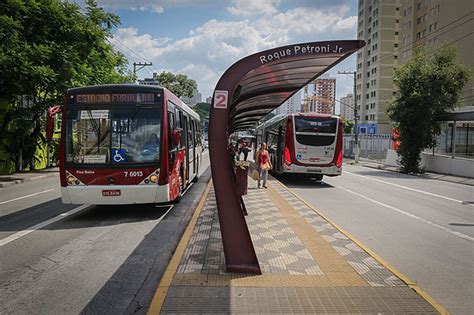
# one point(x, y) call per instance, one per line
point(115, 195)
point(327, 170)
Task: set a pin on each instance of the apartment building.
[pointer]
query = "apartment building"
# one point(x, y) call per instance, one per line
point(379, 27)
point(347, 107)
point(434, 23)
point(291, 105)
point(323, 98)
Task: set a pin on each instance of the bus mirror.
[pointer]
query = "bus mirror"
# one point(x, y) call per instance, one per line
point(52, 111)
point(176, 137)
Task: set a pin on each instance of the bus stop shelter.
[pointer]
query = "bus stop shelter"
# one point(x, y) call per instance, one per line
point(248, 90)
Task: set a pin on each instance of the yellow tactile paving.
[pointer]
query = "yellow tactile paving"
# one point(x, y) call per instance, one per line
point(331, 262)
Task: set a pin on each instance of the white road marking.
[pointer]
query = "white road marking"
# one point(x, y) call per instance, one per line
point(411, 189)
point(409, 215)
point(38, 226)
point(27, 196)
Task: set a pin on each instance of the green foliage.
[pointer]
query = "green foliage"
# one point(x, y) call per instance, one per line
point(429, 85)
point(203, 110)
point(348, 125)
point(48, 47)
point(178, 84)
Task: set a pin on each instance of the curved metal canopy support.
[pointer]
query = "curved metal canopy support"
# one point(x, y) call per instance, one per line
point(247, 91)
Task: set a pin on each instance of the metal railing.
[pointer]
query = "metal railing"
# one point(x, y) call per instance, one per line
point(373, 147)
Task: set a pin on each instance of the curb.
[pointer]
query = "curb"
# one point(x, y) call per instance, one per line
point(384, 167)
point(28, 179)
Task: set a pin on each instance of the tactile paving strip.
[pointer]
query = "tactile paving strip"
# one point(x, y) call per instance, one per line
point(374, 273)
point(341, 279)
point(348, 300)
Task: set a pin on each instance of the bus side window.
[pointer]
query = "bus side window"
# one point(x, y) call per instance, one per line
point(171, 126)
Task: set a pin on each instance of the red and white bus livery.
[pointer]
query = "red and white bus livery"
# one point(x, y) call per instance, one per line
point(304, 143)
point(126, 144)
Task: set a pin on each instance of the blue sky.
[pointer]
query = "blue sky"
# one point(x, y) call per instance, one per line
point(202, 38)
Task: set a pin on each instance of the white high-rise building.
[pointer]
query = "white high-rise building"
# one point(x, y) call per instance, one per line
point(291, 105)
point(347, 107)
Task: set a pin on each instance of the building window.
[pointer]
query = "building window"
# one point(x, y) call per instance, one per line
point(368, 85)
point(437, 8)
point(396, 33)
point(395, 45)
point(435, 26)
point(418, 20)
point(418, 35)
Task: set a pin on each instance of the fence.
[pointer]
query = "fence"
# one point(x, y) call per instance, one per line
point(373, 147)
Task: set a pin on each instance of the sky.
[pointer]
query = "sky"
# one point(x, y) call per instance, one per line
point(202, 38)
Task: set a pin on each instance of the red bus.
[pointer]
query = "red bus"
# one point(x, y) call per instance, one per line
point(126, 144)
point(308, 144)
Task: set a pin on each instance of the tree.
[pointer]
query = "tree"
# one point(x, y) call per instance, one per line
point(48, 47)
point(178, 84)
point(348, 125)
point(429, 85)
point(203, 110)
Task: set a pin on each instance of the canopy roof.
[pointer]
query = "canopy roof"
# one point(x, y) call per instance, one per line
point(281, 73)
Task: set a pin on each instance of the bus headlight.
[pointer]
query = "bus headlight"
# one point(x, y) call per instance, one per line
point(71, 180)
point(154, 179)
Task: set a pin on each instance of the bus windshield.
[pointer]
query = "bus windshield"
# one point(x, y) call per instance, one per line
point(315, 131)
point(113, 136)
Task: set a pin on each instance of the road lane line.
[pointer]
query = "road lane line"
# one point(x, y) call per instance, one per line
point(165, 282)
point(455, 233)
point(384, 263)
point(27, 196)
point(38, 226)
point(408, 188)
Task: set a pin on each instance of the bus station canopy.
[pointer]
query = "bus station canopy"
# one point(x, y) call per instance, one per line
point(280, 73)
point(251, 88)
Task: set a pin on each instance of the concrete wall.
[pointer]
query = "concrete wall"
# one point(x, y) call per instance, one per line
point(447, 165)
point(438, 164)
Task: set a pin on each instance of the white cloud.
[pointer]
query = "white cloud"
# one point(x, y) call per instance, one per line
point(211, 48)
point(254, 7)
point(134, 5)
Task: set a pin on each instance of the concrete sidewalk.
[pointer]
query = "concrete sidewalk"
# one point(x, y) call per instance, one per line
point(18, 178)
point(444, 177)
point(308, 265)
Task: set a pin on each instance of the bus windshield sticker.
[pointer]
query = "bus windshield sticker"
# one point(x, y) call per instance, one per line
point(95, 114)
point(94, 158)
point(119, 155)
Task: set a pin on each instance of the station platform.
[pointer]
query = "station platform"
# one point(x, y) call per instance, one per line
point(308, 264)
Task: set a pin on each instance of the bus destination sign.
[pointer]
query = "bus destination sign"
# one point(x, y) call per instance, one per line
point(115, 98)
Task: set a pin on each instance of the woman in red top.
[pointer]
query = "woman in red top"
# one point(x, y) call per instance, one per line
point(264, 164)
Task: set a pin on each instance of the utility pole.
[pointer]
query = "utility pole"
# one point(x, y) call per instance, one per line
point(141, 66)
point(356, 136)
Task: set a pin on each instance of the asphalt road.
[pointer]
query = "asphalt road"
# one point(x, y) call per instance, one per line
point(422, 227)
point(62, 259)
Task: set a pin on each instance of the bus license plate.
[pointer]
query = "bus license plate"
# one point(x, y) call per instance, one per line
point(111, 192)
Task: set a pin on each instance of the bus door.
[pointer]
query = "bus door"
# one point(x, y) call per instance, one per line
point(279, 154)
point(193, 131)
point(191, 150)
point(187, 144)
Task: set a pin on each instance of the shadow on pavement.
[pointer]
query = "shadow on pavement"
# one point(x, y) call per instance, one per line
point(132, 286)
point(302, 182)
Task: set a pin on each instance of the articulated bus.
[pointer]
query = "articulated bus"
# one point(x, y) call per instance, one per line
point(126, 144)
point(308, 144)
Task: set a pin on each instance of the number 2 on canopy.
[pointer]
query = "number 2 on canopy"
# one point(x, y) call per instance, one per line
point(220, 99)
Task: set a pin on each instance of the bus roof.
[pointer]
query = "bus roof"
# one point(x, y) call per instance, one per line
point(115, 88)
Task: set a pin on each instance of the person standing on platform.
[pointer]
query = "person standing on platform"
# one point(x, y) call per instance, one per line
point(264, 164)
point(245, 150)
